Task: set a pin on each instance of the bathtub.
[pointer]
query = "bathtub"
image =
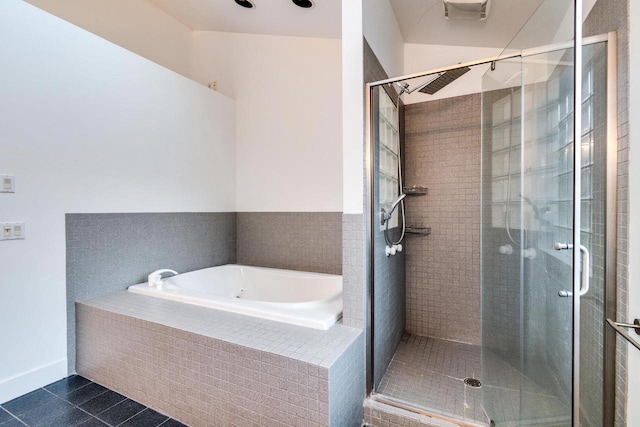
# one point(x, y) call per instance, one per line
point(306, 299)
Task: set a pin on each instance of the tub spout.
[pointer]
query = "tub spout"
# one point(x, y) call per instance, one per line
point(155, 278)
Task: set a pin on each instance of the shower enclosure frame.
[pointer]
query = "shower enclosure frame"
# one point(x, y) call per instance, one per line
point(610, 203)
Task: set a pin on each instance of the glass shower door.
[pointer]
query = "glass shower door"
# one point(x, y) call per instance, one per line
point(527, 207)
point(527, 232)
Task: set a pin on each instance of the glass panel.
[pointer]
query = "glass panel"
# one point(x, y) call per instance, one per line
point(526, 326)
point(593, 214)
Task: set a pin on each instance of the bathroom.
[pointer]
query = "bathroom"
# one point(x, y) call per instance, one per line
point(274, 179)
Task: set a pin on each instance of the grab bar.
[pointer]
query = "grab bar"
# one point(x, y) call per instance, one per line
point(618, 328)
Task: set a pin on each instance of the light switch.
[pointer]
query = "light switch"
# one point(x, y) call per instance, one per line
point(12, 230)
point(7, 184)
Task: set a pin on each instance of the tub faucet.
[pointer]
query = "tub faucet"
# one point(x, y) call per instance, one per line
point(155, 278)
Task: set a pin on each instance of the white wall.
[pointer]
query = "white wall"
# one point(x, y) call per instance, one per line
point(288, 104)
point(383, 35)
point(136, 25)
point(352, 108)
point(633, 409)
point(87, 126)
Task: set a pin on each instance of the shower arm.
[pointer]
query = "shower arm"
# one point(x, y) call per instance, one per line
point(405, 86)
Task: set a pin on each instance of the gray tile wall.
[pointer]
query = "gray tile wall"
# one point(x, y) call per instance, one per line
point(353, 265)
point(109, 252)
point(307, 241)
point(347, 387)
point(209, 367)
point(443, 269)
point(606, 16)
point(388, 272)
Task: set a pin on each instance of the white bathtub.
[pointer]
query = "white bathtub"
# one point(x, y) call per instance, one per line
point(313, 300)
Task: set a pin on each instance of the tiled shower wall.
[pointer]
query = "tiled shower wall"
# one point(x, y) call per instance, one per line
point(306, 241)
point(442, 152)
point(388, 272)
point(604, 17)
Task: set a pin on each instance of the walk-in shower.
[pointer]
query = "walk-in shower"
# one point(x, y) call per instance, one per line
point(486, 315)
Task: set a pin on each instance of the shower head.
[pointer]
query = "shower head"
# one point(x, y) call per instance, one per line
point(443, 80)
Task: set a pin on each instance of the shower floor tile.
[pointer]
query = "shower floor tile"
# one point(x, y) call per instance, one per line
point(429, 373)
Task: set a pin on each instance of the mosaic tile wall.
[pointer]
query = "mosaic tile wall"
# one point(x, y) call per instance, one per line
point(209, 367)
point(306, 241)
point(388, 272)
point(353, 292)
point(109, 252)
point(443, 269)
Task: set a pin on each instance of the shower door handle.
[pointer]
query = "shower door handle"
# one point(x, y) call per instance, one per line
point(584, 281)
point(584, 278)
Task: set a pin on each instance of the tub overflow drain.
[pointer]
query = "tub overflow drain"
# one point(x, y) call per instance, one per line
point(472, 382)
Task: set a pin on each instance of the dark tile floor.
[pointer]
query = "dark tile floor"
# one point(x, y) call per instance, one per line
point(76, 401)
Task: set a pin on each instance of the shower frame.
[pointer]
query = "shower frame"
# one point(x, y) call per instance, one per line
point(610, 203)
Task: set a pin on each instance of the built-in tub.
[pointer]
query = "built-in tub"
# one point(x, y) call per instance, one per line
point(300, 298)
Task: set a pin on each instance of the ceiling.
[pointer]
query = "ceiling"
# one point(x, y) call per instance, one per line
point(423, 22)
point(279, 17)
point(420, 21)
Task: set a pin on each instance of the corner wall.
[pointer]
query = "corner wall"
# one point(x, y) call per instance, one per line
point(86, 126)
point(443, 269)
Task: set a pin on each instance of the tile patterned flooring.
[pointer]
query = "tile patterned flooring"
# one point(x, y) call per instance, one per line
point(76, 401)
point(429, 373)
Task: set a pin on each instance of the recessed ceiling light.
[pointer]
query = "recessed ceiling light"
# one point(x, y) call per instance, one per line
point(245, 3)
point(307, 4)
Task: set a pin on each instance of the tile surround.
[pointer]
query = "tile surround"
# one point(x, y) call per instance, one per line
point(442, 152)
point(307, 241)
point(109, 252)
point(239, 369)
point(388, 272)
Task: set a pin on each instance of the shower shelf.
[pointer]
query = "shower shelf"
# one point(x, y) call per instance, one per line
point(421, 231)
point(415, 190)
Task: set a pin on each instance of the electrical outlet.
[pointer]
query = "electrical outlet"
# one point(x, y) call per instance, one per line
point(12, 231)
point(213, 85)
point(7, 184)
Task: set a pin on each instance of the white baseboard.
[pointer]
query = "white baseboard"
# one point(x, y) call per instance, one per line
point(18, 385)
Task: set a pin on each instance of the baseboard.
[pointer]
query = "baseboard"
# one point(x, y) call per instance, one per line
point(18, 385)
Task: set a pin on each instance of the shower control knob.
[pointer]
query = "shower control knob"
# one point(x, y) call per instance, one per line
point(561, 246)
point(505, 249)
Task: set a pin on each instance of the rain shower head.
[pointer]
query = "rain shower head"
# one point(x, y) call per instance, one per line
point(444, 79)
